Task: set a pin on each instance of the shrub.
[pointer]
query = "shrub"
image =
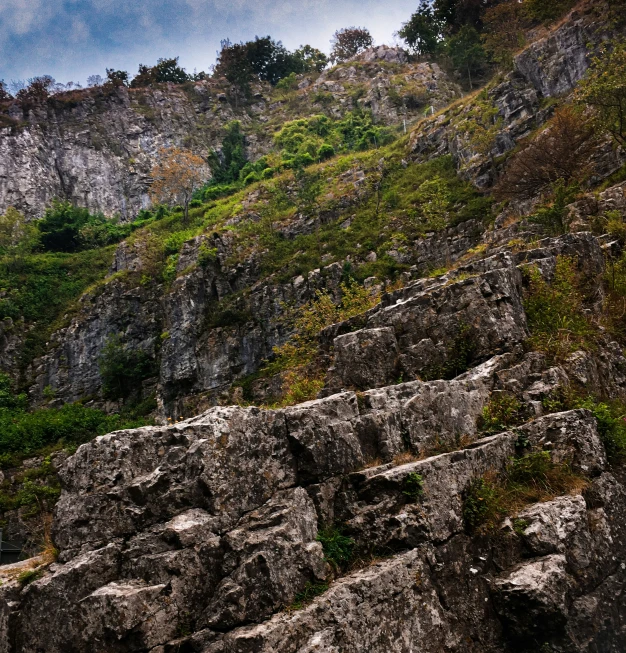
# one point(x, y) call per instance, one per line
point(528, 479)
point(338, 548)
point(502, 411)
point(555, 311)
point(413, 487)
point(481, 503)
point(560, 154)
point(68, 228)
point(122, 369)
point(611, 418)
point(552, 217)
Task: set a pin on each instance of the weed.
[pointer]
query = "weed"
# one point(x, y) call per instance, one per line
point(502, 411)
point(338, 548)
point(413, 487)
point(310, 591)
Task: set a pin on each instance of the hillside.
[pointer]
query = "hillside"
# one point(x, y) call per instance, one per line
point(369, 396)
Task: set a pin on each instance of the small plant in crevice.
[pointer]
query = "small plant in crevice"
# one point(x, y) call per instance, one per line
point(310, 591)
point(556, 314)
point(502, 412)
point(413, 487)
point(460, 354)
point(339, 549)
point(482, 503)
point(29, 575)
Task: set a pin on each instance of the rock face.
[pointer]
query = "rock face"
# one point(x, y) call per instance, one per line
point(205, 535)
point(96, 147)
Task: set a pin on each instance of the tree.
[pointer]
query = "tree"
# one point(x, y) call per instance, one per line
point(37, 91)
point(176, 176)
point(226, 168)
point(4, 91)
point(348, 42)
point(17, 236)
point(466, 52)
point(234, 65)
point(604, 89)
point(560, 153)
point(117, 77)
point(423, 32)
point(312, 59)
point(95, 80)
point(166, 70)
point(503, 31)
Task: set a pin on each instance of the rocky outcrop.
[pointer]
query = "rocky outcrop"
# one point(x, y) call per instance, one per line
point(512, 109)
point(96, 147)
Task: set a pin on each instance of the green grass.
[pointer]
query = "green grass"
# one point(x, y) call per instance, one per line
point(527, 479)
point(41, 288)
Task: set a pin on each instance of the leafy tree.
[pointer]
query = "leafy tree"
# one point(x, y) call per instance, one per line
point(95, 80)
point(311, 59)
point(234, 65)
point(423, 32)
point(503, 31)
point(4, 91)
point(226, 168)
point(60, 226)
point(17, 236)
point(166, 70)
point(466, 52)
point(348, 42)
point(604, 89)
point(176, 176)
point(37, 91)
point(117, 77)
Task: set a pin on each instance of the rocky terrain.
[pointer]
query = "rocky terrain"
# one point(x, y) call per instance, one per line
point(115, 134)
point(200, 536)
point(456, 483)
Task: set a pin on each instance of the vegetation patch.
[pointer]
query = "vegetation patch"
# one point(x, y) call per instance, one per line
point(528, 479)
point(339, 549)
point(555, 311)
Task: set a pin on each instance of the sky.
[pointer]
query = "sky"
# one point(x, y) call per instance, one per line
point(72, 39)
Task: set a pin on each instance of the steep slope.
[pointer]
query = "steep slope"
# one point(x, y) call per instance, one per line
point(112, 135)
point(162, 548)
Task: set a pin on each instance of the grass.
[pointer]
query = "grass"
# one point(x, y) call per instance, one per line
point(40, 288)
point(306, 596)
point(528, 479)
point(556, 317)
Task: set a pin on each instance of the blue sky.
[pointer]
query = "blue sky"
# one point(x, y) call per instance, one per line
point(71, 39)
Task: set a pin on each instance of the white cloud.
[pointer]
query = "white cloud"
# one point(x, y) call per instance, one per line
point(70, 39)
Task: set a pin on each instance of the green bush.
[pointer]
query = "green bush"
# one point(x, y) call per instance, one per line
point(339, 549)
point(413, 487)
point(611, 418)
point(481, 503)
point(68, 228)
point(325, 151)
point(122, 369)
point(26, 433)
